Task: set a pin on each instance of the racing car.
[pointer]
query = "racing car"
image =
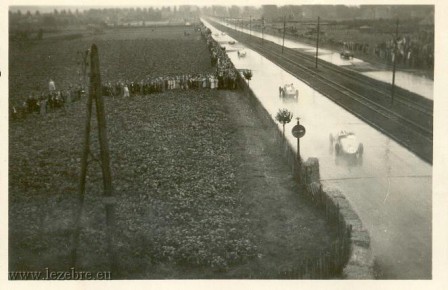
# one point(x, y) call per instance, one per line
point(288, 91)
point(242, 53)
point(346, 54)
point(347, 146)
point(232, 42)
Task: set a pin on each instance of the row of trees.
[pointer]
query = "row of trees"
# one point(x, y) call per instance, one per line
point(328, 12)
point(64, 17)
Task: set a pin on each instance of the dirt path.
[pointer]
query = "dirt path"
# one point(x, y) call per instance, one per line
point(288, 225)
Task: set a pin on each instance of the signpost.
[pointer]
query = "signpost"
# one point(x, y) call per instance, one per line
point(298, 131)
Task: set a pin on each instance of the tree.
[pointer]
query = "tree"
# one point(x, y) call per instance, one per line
point(247, 75)
point(49, 20)
point(283, 116)
point(40, 34)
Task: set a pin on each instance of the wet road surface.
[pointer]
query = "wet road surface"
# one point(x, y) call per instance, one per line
point(417, 84)
point(391, 189)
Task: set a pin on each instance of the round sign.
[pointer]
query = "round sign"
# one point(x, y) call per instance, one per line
point(298, 131)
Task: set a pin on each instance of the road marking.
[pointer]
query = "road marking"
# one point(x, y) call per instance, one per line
point(388, 190)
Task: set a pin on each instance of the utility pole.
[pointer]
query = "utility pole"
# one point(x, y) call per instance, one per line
point(250, 26)
point(262, 30)
point(284, 30)
point(317, 40)
point(394, 64)
point(95, 96)
point(262, 34)
point(299, 159)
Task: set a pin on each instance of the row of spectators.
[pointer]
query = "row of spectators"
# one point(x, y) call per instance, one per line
point(47, 101)
point(161, 84)
point(56, 99)
point(225, 71)
point(414, 53)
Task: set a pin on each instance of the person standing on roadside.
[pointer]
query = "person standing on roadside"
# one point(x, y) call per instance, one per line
point(125, 92)
point(51, 86)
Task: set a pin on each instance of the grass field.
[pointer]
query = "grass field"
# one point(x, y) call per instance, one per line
point(202, 190)
point(127, 54)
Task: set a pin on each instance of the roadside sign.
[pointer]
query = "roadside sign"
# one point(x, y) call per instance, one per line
point(298, 131)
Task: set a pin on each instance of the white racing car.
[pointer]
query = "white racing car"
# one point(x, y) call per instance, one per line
point(347, 146)
point(288, 91)
point(242, 53)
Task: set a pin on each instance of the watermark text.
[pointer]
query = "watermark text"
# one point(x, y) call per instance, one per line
point(48, 274)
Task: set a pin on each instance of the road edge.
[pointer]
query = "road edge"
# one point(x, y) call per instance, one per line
point(359, 262)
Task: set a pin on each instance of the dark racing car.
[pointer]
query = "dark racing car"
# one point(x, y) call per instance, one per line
point(346, 54)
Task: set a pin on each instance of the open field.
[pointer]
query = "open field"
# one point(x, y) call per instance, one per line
point(127, 54)
point(202, 189)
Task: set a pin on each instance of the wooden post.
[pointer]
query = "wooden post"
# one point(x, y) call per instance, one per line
point(82, 183)
point(95, 93)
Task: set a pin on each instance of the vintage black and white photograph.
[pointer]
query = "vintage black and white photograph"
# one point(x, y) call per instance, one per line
point(221, 141)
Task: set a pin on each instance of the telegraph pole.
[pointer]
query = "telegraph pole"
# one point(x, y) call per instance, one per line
point(284, 30)
point(317, 40)
point(262, 30)
point(299, 159)
point(250, 26)
point(95, 97)
point(394, 64)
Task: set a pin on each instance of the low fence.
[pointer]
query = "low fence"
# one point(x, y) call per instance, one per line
point(349, 256)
